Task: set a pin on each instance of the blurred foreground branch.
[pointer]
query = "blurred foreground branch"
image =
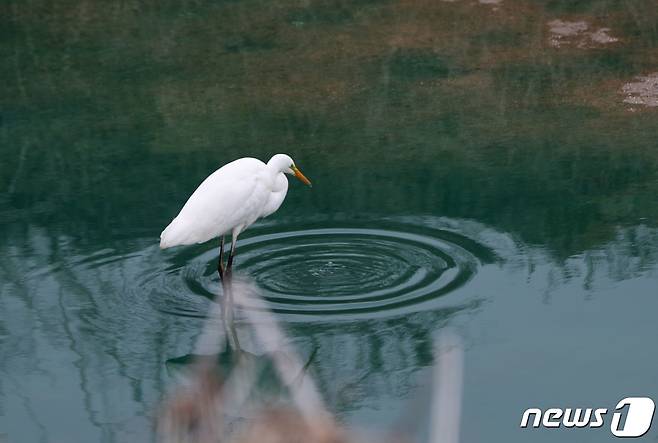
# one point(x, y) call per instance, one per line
point(213, 405)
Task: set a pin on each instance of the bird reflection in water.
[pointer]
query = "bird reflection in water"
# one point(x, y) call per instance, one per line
point(232, 385)
point(256, 389)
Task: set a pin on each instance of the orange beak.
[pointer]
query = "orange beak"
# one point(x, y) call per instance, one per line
point(301, 176)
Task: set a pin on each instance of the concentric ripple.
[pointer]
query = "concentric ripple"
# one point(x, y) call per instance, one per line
point(332, 271)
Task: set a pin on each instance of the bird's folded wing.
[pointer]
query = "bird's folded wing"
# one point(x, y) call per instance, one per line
point(222, 202)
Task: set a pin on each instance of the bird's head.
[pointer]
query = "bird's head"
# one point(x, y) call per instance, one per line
point(283, 163)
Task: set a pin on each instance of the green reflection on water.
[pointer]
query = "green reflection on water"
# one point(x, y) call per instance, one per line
point(111, 114)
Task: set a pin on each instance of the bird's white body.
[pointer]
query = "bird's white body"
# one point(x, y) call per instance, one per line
point(229, 200)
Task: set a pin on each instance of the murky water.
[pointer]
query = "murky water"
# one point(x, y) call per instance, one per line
point(489, 166)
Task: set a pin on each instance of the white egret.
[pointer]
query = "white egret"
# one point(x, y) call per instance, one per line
point(230, 200)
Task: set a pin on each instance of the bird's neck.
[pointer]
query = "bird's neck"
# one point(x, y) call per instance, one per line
point(276, 178)
point(272, 170)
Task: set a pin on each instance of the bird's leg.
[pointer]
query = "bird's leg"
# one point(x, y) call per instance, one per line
point(229, 265)
point(220, 266)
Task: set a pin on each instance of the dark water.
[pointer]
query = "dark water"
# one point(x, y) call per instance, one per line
point(479, 166)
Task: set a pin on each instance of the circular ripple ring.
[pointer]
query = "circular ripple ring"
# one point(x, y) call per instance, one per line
point(344, 271)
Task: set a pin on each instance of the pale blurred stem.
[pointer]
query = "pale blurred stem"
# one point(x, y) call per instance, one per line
point(225, 278)
point(228, 299)
point(228, 312)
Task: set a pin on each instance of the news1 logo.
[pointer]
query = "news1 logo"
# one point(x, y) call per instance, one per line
point(631, 417)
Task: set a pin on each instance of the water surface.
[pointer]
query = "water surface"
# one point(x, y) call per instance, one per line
point(477, 165)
